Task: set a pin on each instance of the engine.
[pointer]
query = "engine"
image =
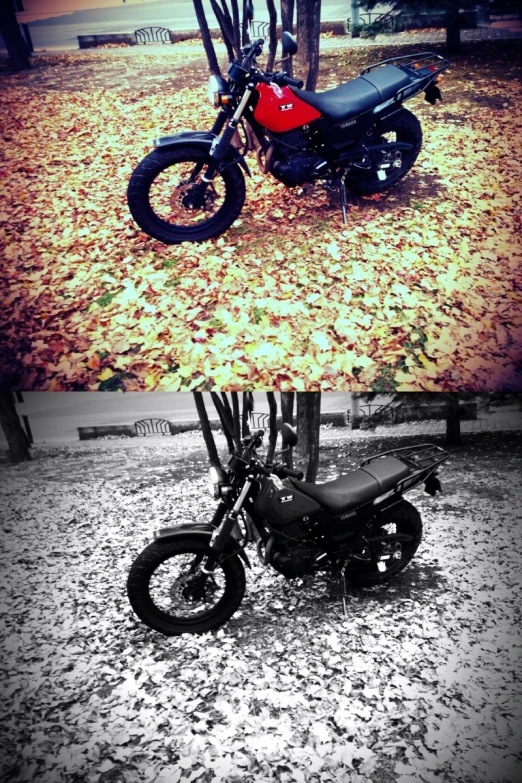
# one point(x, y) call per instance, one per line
point(290, 554)
point(293, 561)
point(292, 161)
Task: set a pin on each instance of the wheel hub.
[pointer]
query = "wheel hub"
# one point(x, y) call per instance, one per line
point(184, 197)
point(187, 591)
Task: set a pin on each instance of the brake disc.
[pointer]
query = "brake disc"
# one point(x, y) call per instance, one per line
point(178, 199)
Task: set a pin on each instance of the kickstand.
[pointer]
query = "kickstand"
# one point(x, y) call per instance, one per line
point(344, 594)
point(342, 193)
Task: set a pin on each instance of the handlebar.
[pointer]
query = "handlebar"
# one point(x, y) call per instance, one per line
point(294, 473)
point(281, 470)
point(278, 468)
point(294, 82)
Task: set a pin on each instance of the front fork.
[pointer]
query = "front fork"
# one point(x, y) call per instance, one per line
point(218, 153)
point(221, 534)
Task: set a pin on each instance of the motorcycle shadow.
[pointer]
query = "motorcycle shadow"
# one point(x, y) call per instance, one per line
point(315, 600)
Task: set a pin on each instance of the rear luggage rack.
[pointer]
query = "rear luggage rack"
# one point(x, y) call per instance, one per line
point(419, 65)
point(421, 459)
point(422, 69)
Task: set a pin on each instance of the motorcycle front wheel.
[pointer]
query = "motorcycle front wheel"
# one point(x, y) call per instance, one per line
point(402, 126)
point(170, 594)
point(160, 190)
point(402, 518)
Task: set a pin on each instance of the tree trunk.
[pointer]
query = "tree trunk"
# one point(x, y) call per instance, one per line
point(355, 418)
point(453, 436)
point(236, 418)
point(308, 30)
point(272, 34)
point(287, 414)
point(12, 427)
point(354, 22)
point(226, 26)
point(308, 422)
point(237, 27)
point(245, 36)
point(287, 407)
point(206, 430)
point(453, 31)
point(205, 37)
point(248, 407)
point(287, 23)
point(13, 38)
point(226, 421)
point(272, 438)
point(287, 15)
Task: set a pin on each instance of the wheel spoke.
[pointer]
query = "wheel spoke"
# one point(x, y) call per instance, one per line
point(175, 587)
point(170, 195)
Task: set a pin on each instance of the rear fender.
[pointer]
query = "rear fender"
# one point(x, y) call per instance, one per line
point(203, 140)
point(200, 530)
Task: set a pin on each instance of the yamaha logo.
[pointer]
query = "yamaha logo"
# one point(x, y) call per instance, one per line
point(286, 106)
point(346, 124)
point(350, 514)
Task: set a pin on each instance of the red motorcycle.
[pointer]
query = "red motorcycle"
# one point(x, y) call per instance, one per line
point(356, 136)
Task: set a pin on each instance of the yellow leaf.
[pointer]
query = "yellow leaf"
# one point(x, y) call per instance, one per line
point(168, 383)
point(106, 374)
point(431, 368)
point(403, 377)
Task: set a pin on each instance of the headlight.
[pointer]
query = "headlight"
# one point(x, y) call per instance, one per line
point(213, 90)
point(217, 91)
point(213, 481)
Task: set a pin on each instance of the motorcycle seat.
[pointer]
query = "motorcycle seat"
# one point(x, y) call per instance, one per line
point(357, 487)
point(358, 95)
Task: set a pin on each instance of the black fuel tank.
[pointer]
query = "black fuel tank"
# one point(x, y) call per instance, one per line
point(280, 504)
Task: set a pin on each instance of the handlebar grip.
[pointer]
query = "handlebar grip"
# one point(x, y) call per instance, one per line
point(294, 473)
point(294, 82)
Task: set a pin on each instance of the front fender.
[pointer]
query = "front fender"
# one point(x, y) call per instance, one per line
point(201, 530)
point(203, 139)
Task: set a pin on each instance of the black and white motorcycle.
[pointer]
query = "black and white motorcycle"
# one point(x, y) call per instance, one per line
point(359, 527)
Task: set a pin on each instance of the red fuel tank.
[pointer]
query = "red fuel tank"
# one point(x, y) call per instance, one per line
point(279, 109)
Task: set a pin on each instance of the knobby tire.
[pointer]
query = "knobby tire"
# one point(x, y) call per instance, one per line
point(408, 521)
point(151, 167)
point(408, 129)
point(157, 553)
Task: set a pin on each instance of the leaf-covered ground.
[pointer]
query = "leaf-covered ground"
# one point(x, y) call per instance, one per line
point(420, 290)
point(421, 682)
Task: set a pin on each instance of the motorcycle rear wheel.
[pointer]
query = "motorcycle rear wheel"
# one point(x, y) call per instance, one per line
point(159, 190)
point(402, 518)
point(160, 583)
point(402, 126)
